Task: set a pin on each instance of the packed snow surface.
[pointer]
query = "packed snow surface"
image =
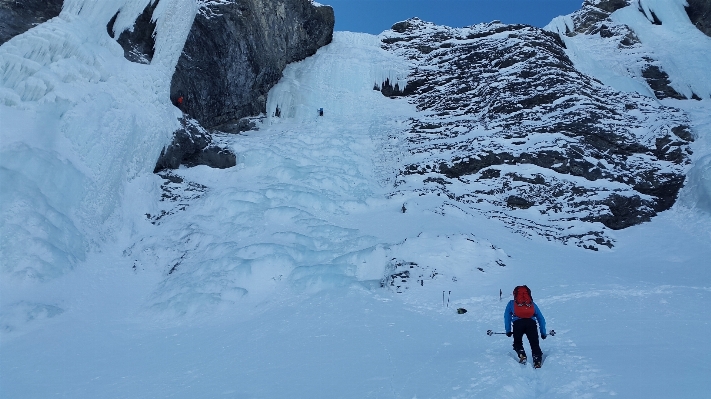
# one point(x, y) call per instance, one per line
point(284, 276)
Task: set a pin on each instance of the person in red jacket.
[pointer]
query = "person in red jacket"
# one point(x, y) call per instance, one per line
point(523, 313)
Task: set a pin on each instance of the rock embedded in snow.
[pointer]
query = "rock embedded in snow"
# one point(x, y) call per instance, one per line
point(193, 145)
point(138, 42)
point(511, 128)
point(236, 52)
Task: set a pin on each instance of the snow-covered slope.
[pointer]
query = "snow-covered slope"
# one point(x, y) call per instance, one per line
point(645, 42)
point(304, 271)
point(78, 122)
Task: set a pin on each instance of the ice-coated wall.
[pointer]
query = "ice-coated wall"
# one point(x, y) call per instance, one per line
point(77, 122)
point(698, 192)
point(337, 87)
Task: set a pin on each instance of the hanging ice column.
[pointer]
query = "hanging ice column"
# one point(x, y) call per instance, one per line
point(79, 121)
point(346, 83)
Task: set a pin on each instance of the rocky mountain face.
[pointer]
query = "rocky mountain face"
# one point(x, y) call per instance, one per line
point(237, 51)
point(513, 130)
point(18, 16)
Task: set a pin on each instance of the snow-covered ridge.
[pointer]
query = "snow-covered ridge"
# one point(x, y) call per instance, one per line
point(97, 121)
point(647, 42)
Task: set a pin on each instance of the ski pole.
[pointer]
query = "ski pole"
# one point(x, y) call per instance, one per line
point(490, 333)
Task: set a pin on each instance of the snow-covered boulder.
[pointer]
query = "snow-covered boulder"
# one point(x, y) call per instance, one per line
point(193, 145)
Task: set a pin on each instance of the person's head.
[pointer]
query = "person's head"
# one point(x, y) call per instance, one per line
point(524, 287)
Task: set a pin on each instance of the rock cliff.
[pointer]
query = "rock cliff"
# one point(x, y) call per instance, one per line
point(236, 52)
point(700, 14)
point(18, 16)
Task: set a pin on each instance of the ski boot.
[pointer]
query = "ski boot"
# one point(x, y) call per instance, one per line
point(522, 357)
point(537, 362)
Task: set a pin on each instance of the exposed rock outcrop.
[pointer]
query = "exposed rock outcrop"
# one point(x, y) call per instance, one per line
point(516, 131)
point(193, 145)
point(699, 12)
point(138, 42)
point(237, 51)
point(18, 16)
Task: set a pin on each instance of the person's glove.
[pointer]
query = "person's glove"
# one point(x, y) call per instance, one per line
point(543, 336)
point(508, 334)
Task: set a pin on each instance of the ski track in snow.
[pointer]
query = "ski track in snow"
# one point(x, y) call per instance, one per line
point(268, 284)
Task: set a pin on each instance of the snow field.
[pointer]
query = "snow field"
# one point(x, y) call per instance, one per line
point(619, 333)
point(269, 223)
point(267, 283)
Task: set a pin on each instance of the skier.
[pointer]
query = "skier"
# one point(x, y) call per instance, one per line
point(523, 314)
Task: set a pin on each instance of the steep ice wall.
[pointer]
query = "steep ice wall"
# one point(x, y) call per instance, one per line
point(301, 93)
point(78, 122)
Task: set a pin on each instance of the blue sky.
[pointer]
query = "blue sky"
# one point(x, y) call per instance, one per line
point(375, 16)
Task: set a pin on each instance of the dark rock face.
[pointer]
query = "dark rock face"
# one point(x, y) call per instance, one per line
point(193, 145)
point(236, 52)
point(138, 43)
point(700, 14)
point(18, 16)
point(609, 5)
point(658, 80)
point(516, 132)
